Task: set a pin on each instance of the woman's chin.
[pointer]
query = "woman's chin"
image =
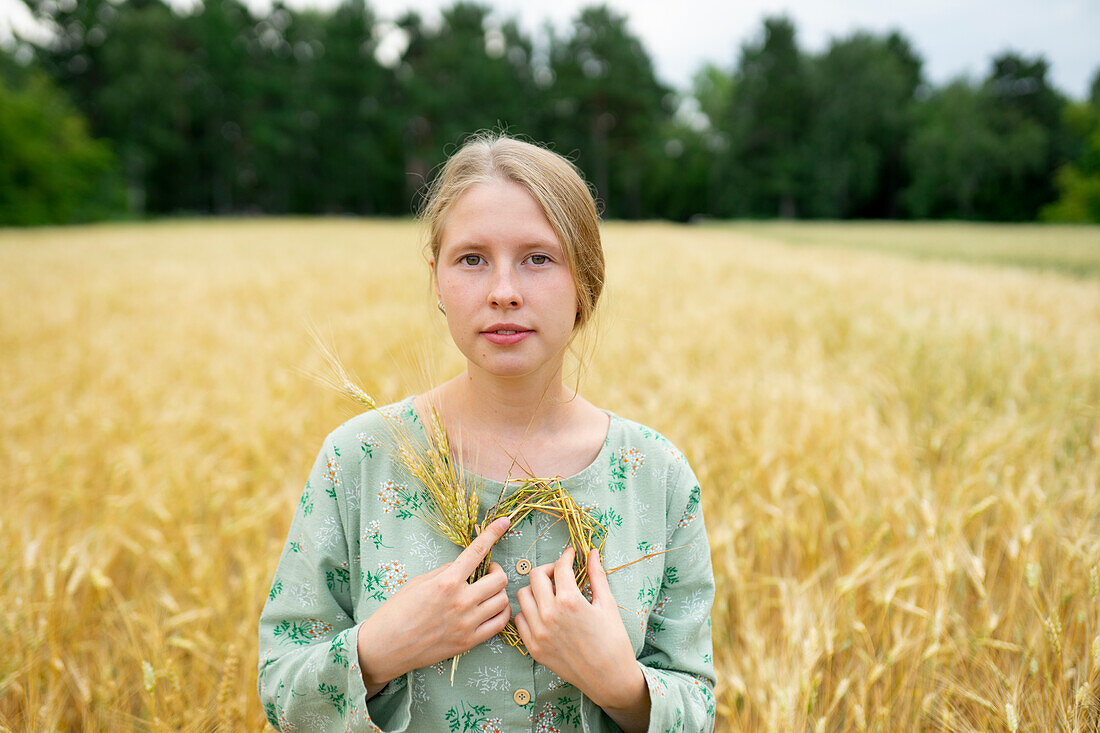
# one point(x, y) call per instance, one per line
point(510, 368)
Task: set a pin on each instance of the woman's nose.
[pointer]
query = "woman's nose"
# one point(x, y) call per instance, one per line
point(504, 292)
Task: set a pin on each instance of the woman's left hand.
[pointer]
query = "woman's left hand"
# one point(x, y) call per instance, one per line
point(584, 643)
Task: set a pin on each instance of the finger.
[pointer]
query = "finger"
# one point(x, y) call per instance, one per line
point(492, 626)
point(489, 585)
point(493, 606)
point(528, 607)
point(541, 587)
point(597, 579)
point(564, 579)
point(523, 628)
point(468, 560)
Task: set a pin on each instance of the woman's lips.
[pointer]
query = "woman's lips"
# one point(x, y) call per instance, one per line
point(506, 336)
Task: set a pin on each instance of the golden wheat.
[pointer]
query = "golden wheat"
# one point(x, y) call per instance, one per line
point(899, 457)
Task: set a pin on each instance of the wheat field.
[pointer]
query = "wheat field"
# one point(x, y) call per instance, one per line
point(899, 456)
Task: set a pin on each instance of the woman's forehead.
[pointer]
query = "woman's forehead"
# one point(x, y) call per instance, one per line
point(497, 212)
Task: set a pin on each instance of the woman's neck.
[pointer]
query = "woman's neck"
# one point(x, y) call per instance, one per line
point(508, 428)
point(509, 407)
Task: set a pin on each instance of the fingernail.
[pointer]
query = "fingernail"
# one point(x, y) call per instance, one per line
point(504, 522)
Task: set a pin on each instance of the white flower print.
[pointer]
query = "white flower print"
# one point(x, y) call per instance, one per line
point(393, 576)
point(615, 558)
point(354, 494)
point(327, 534)
point(542, 524)
point(685, 645)
point(694, 604)
point(643, 615)
point(631, 459)
point(556, 683)
point(306, 593)
point(495, 644)
point(389, 496)
point(394, 413)
point(419, 691)
point(426, 549)
point(368, 443)
point(315, 720)
point(487, 679)
point(332, 471)
point(590, 482)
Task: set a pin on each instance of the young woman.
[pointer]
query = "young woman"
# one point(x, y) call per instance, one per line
point(368, 604)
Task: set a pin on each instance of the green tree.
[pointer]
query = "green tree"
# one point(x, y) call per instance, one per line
point(145, 63)
point(358, 136)
point(213, 82)
point(958, 154)
point(1024, 109)
point(467, 75)
point(124, 65)
point(677, 176)
point(713, 90)
point(1078, 182)
point(608, 105)
point(318, 130)
point(864, 92)
point(767, 165)
point(72, 57)
point(51, 170)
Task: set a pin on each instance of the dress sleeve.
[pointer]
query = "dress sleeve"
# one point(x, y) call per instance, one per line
point(676, 658)
point(309, 677)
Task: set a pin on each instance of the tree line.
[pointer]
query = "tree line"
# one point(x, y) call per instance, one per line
point(132, 108)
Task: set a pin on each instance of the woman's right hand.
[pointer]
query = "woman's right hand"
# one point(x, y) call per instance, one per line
point(436, 616)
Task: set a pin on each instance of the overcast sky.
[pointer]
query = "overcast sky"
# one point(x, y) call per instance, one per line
point(954, 37)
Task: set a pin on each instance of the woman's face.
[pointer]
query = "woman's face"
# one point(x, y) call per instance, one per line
point(501, 273)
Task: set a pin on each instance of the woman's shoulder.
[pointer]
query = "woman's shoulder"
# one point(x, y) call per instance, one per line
point(377, 425)
point(655, 446)
point(643, 454)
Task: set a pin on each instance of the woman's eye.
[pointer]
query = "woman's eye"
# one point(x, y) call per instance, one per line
point(539, 259)
point(471, 260)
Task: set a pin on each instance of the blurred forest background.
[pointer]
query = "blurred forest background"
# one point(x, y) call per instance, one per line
point(134, 109)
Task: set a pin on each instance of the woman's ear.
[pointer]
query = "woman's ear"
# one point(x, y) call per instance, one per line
point(435, 280)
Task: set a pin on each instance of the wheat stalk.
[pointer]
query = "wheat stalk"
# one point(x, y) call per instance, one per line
point(454, 500)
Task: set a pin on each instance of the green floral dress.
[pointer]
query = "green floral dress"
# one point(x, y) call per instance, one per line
point(354, 540)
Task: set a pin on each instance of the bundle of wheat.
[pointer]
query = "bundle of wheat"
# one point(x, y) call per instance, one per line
point(549, 497)
point(454, 497)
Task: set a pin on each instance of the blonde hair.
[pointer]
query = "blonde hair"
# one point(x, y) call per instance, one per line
point(554, 182)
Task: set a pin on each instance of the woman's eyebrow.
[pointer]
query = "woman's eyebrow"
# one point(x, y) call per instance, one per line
point(546, 243)
point(467, 244)
point(474, 244)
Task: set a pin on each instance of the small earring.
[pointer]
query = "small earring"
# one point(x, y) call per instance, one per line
point(441, 308)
